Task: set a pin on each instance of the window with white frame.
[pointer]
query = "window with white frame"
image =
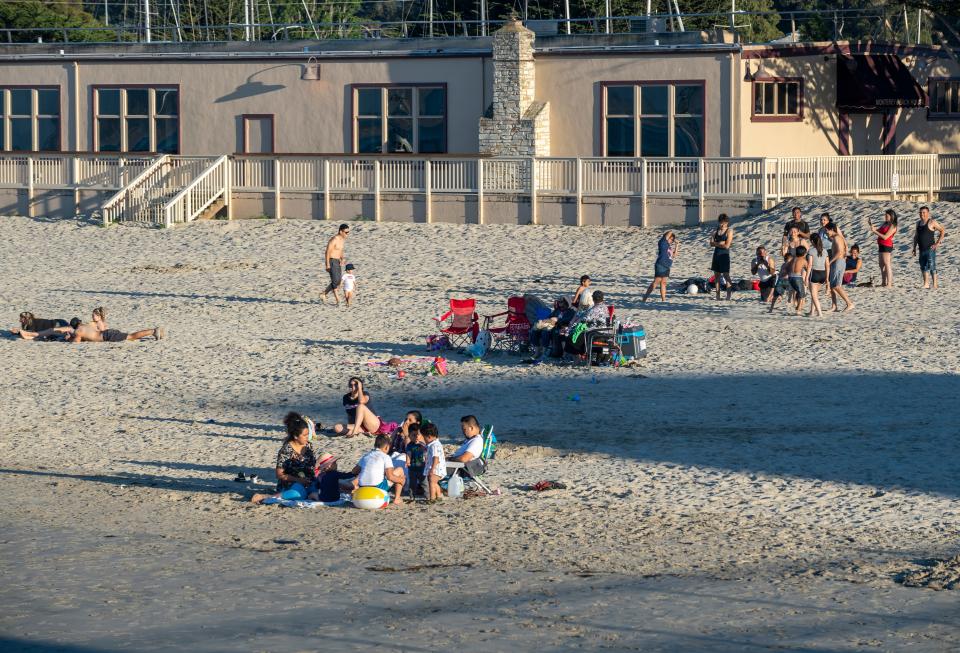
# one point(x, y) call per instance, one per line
point(653, 119)
point(778, 98)
point(400, 119)
point(29, 119)
point(945, 98)
point(141, 119)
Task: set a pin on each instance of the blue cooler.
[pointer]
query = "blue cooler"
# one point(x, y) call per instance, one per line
point(633, 342)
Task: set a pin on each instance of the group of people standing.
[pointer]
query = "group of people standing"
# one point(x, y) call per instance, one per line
point(812, 260)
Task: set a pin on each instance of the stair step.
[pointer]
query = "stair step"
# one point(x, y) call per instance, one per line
point(212, 210)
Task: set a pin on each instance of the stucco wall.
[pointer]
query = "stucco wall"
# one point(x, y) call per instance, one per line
point(571, 84)
point(310, 116)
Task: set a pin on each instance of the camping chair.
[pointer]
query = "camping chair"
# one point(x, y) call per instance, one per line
point(513, 333)
point(475, 469)
point(464, 323)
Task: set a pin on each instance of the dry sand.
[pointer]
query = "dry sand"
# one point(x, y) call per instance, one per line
point(758, 481)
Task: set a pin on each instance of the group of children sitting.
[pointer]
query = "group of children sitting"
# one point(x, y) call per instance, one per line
point(411, 460)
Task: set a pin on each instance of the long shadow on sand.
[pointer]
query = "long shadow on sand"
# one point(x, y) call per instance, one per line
point(182, 484)
point(212, 422)
point(900, 431)
point(196, 296)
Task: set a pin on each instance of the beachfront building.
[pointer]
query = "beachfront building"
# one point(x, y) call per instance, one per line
point(512, 94)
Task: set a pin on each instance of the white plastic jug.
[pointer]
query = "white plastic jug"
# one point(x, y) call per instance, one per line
point(455, 486)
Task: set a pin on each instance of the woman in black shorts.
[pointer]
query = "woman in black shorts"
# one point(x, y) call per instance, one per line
point(885, 234)
point(818, 272)
point(721, 240)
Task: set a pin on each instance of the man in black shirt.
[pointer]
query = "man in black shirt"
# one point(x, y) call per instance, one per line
point(798, 222)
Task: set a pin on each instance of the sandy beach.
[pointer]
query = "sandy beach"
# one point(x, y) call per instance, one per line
point(758, 481)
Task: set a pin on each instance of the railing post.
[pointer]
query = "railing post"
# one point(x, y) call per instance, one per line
point(779, 180)
point(763, 183)
point(75, 182)
point(856, 176)
point(895, 173)
point(376, 190)
point(29, 186)
point(533, 190)
point(167, 220)
point(932, 176)
point(644, 221)
point(278, 213)
point(326, 189)
point(817, 176)
point(700, 191)
point(480, 191)
point(579, 192)
point(228, 189)
point(428, 199)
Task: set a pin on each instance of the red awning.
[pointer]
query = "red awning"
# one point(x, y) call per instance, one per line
point(875, 82)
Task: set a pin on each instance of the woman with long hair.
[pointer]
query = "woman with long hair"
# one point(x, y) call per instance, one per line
point(721, 240)
point(361, 416)
point(885, 234)
point(818, 272)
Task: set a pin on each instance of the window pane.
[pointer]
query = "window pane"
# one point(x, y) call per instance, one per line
point(399, 135)
point(368, 102)
point(108, 135)
point(3, 139)
point(433, 135)
point(689, 100)
point(21, 134)
point(166, 102)
point(138, 135)
point(108, 102)
point(432, 101)
point(167, 135)
point(654, 139)
point(687, 138)
point(653, 100)
point(758, 99)
point(48, 134)
point(138, 102)
point(793, 96)
point(369, 136)
point(954, 99)
point(620, 100)
point(48, 102)
point(620, 136)
point(21, 101)
point(399, 101)
point(768, 106)
point(781, 98)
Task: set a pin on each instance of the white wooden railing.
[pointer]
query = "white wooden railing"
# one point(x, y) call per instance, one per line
point(201, 192)
point(148, 185)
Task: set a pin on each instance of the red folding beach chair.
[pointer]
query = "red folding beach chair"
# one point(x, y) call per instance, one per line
point(463, 325)
point(511, 332)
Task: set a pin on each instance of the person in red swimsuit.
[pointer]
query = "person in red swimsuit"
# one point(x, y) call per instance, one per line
point(885, 234)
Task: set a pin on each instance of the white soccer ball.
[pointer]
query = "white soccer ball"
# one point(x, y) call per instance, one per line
point(692, 289)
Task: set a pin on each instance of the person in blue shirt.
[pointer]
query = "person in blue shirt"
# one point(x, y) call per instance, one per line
point(666, 251)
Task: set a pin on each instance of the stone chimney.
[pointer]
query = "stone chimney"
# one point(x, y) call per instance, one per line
point(519, 126)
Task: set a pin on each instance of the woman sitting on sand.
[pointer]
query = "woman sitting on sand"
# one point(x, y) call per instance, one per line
point(296, 463)
point(398, 444)
point(361, 416)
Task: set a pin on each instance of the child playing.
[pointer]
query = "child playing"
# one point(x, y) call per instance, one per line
point(436, 466)
point(349, 283)
point(799, 271)
point(583, 298)
point(416, 459)
point(783, 281)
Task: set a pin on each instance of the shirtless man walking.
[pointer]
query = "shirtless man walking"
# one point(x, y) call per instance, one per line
point(334, 260)
point(837, 266)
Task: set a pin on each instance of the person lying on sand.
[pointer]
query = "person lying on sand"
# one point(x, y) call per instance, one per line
point(98, 331)
point(30, 322)
point(56, 333)
point(296, 463)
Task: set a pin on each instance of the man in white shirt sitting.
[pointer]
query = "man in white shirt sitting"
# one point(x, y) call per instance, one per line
point(472, 447)
point(376, 469)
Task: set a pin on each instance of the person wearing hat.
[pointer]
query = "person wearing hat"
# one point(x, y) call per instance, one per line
point(349, 283)
point(326, 485)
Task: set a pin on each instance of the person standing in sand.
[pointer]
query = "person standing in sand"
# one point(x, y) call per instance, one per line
point(838, 265)
point(885, 234)
point(928, 236)
point(721, 240)
point(667, 249)
point(334, 261)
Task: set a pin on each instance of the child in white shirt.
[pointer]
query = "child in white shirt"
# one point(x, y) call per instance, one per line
point(349, 282)
point(436, 467)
